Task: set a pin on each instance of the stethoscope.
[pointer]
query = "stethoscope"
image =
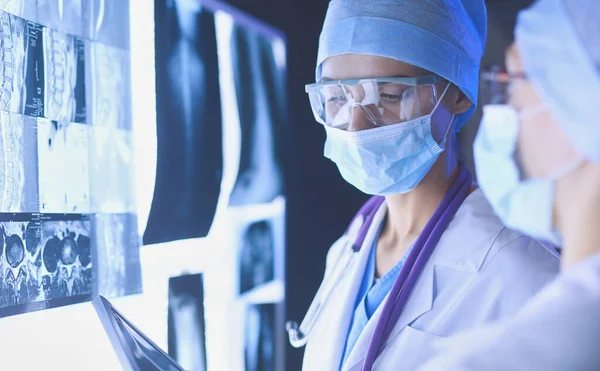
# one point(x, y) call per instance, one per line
point(407, 278)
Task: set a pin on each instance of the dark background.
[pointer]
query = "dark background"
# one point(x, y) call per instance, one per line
point(320, 203)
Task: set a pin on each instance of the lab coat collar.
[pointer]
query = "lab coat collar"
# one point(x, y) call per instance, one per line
point(462, 248)
point(348, 290)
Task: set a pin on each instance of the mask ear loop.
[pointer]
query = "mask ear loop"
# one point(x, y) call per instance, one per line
point(565, 170)
point(445, 138)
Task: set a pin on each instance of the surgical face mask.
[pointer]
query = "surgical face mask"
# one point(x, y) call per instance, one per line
point(524, 205)
point(386, 160)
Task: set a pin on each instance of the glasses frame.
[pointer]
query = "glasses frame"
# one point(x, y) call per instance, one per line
point(411, 81)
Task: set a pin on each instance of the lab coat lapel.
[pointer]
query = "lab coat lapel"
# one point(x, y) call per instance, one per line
point(335, 324)
point(454, 252)
point(420, 301)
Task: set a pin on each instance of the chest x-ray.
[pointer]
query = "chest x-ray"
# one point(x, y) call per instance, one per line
point(189, 128)
point(257, 256)
point(259, 344)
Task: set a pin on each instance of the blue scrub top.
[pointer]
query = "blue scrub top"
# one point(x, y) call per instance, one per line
point(371, 294)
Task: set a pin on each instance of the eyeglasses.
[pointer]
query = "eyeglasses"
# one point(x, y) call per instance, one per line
point(496, 84)
point(384, 101)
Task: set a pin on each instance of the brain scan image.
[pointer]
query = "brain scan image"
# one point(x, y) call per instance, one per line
point(44, 260)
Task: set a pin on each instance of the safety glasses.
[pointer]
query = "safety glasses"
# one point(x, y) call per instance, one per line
point(382, 101)
point(496, 85)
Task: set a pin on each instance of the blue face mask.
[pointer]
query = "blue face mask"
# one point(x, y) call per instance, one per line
point(385, 160)
point(524, 205)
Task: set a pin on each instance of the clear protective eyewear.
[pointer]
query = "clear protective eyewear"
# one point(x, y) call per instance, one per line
point(496, 85)
point(384, 101)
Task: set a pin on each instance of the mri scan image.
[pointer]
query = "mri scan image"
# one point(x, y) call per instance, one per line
point(107, 22)
point(44, 260)
point(25, 9)
point(65, 16)
point(64, 77)
point(118, 254)
point(112, 184)
point(63, 157)
point(109, 87)
point(19, 191)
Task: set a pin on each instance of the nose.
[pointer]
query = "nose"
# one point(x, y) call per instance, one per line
point(359, 119)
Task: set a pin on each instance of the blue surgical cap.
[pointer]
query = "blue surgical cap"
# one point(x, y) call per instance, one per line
point(445, 37)
point(559, 42)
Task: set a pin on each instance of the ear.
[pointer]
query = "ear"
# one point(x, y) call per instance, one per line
point(456, 101)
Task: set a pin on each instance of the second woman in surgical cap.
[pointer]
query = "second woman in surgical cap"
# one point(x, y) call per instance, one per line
point(538, 156)
point(396, 81)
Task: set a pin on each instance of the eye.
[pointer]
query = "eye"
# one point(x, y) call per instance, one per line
point(390, 98)
point(336, 99)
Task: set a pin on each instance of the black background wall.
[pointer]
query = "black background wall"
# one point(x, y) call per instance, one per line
point(320, 203)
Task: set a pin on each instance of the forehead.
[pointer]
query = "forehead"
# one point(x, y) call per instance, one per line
point(355, 66)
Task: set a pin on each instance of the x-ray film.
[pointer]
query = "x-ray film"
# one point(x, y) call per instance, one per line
point(25, 9)
point(186, 326)
point(63, 156)
point(35, 74)
point(65, 16)
point(109, 88)
point(19, 191)
point(188, 108)
point(64, 77)
point(112, 183)
point(45, 261)
point(260, 90)
point(107, 22)
point(118, 254)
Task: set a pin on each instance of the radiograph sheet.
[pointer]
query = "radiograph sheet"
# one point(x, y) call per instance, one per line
point(118, 254)
point(189, 127)
point(109, 88)
point(19, 191)
point(186, 325)
point(65, 16)
point(25, 9)
point(63, 157)
point(259, 338)
point(260, 91)
point(64, 66)
point(45, 261)
point(107, 22)
point(112, 184)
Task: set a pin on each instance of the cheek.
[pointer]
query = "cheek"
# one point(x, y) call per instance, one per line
point(542, 146)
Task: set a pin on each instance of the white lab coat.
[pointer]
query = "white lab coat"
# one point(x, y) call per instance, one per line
point(558, 330)
point(479, 271)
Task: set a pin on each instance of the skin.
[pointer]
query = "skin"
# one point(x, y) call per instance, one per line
point(543, 146)
point(407, 213)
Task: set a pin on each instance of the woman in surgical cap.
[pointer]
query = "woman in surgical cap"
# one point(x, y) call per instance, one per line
point(426, 257)
point(538, 160)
